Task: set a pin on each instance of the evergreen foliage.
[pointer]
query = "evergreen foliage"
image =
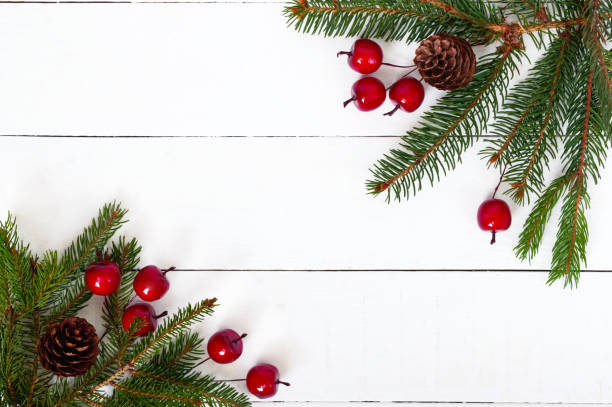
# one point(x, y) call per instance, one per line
point(157, 370)
point(560, 110)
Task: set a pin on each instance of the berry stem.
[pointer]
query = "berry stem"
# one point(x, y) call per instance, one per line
point(241, 337)
point(285, 383)
point(99, 255)
point(392, 112)
point(348, 101)
point(497, 187)
point(103, 335)
point(493, 238)
point(401, 77)
point(349, 53)
point(398, 66)
point(129, 302)
point(205, 360)
point(168, 269)
point(163, 314)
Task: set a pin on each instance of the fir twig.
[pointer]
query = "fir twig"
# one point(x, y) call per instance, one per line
point(208, 395)
point(579, 176)
point(118, 387)
point(34, 376)
point(425, 158)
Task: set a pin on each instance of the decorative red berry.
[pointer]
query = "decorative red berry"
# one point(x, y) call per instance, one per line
point(368, 94)
point(225, 346)
point(102, 277)
point(494, 215)
point(365, 57)
point(408, 93)
point(151, 283)
point(262, 381)
point(144, 312)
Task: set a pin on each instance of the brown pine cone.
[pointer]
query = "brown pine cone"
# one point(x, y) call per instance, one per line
point(445, 61)
point(69, 347)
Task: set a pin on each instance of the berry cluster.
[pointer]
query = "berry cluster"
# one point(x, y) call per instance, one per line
point(103, 277)
point(226, 346)
point(369, 93)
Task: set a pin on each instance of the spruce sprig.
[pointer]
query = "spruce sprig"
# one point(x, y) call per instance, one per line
point(562, 109)
point(158, 370)
point(445, 132)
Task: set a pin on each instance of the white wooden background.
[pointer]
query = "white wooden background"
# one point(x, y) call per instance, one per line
point(222, 131)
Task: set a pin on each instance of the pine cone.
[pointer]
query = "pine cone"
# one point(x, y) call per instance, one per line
point(445, 61)
point(69, 347)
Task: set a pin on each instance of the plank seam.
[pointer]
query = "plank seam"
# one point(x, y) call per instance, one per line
point(421, 270)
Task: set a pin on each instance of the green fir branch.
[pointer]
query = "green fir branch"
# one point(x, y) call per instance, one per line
point(15, 267)
point(171, 328)
point(409, 20)
point(446, 131)
point(535, 225)
point(527, 128)
point(74, 295)
point(127, 256)
point(171, 371)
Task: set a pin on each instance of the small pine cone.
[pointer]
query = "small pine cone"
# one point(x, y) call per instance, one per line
point(445, 61)
point(69, 347)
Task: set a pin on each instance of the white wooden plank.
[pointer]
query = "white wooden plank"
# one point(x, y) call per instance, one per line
point(180, 69)
point(446, 337)
point(417, 404)
point(267, 203)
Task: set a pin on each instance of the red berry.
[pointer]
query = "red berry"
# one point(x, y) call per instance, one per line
point(368, 94)
point(365, 57)
point(262, 380)
point(151, 283)
point(494, 215)
point(225, 346)
point(408, 93)
point(102, 277)
point(144, 312)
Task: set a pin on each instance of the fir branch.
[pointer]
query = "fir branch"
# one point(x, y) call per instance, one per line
point(94, 237)
point(535, 225)
point(553, 25)
point(123, 370)
point(127, 256)
point(393, 20)
point(15, 267)
point(173, 327)
point(8, 370)
point(430, 147)
point(517, 126)
point(90, 402)
point(184, 352)
point(209, 395)
point(579, 184)
point(551, 82)
point(34, 377)
point(582, 153)
point(162, 396)
point(76, 257)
